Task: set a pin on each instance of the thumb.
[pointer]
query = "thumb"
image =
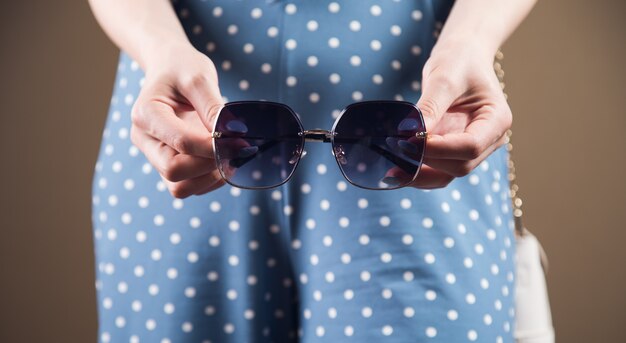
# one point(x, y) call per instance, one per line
point(204, 96)
point(437, 97)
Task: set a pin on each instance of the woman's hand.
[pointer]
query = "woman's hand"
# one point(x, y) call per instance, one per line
point(173, 116)
point(465, 112)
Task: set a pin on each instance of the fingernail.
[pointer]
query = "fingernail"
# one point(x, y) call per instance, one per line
point(391, 180)
point(236, 126)
point(408, 124)
point(408, 146)
point(392, 142)
point(247, 151)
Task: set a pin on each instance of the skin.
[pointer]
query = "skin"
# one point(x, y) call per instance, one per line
point(464, 107)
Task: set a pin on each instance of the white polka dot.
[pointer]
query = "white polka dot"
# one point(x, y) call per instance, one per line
point(375, 45)
point(427, 223)
point(468, 263)
point(385, 257)
point(266, 68)
point(431, 332)
point(364, 239)
point(150, 324)
point(319, 331)
point(453, 315)
point(229, 328)
point(407, 239)
point(314, 97)
point(272, 31)
point(344, 222)
point(305, 188)
point(256, 13)
point(487, 319)
point(355, 25)
point(366, 312)
point(175, 238)
point(342, 186)
point(472, 335)
point(365, 276)
point(232, 29)
point(461, 228)
point(334, 78)
point(312, 61)
point(396, 65)
point(408, 276)
point(333, 7)
point(395, 30)
point(233, 225)
point(310, 224)
point(355, 60)
point(450, 278)
point(470, 298)
point(357, 96)
point(291, 81)
point(248, 48)
point(314, 259)
point(325, 205)
point(387, 330)
point(327, 241)
point(345, 258)
point(384, 221)
point(430, 295)
point(429, 258)
point(333, 42)
point(416, 15)
point(290, 8)
point(375, 10)
point(377, 79)
point(312, 25)
point(362, 203)
point(330, 277)
point(348, 331)
point(291, 44)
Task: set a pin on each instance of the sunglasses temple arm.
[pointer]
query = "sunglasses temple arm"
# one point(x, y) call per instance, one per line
point(240, 161)
point(404, 164)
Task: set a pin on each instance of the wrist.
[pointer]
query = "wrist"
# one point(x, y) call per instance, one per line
point(159, 53)
point(461, 44)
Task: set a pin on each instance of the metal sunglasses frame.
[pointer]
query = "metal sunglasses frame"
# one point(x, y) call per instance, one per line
point(320, 136)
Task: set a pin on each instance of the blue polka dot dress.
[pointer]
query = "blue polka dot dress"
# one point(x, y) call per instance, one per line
point(317, 259)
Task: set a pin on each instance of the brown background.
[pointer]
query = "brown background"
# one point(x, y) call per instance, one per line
point(565, 78)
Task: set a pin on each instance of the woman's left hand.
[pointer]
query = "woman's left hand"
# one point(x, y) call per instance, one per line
point(465, 112)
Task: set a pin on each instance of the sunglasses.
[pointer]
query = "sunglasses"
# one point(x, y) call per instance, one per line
point(377, 144)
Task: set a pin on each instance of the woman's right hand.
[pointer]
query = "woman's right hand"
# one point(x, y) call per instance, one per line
point(173, 117)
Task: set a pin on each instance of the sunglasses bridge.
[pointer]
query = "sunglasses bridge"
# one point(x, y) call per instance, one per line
point(317, 135)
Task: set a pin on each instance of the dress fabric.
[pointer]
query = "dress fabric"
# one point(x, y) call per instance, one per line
point(316, 259)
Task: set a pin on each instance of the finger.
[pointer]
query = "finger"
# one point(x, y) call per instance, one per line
point(159, 120)
point(186, 188)
point(483, 131)
point(438, 94)
point(204, 95)
point(172, 165)
point(430, 178)
point(211, 188)
point(460, 168)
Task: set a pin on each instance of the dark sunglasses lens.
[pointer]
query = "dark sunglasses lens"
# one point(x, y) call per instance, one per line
point(377, 144)
point(259, 144)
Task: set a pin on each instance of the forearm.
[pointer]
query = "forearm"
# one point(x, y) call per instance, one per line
point(483, 23)
point(140, 27)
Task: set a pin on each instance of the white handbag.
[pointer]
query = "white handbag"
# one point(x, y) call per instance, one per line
point(533, 318)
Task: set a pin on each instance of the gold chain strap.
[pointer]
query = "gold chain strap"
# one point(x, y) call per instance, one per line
point(516, 200)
